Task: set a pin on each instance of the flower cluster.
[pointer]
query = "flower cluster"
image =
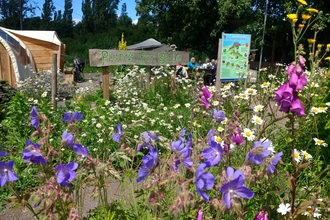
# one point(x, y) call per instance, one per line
point(287, 94)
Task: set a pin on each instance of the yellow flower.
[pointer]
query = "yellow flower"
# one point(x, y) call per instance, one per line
point(327, 58)
point(295, 20)
point(319, 46)
point(301, 26)
point(311, 41)
point(305, 17)
point(313, 10)
point(292, 16)
point(302, 2)
point(328, 45)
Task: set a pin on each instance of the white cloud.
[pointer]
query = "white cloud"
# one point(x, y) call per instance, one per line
point(76, 21)
point(135, 21)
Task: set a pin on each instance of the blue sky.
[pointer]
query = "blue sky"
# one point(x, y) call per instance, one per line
point(77, 14)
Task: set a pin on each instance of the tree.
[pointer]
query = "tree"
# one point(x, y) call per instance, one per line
point(13, 10)
point(47, 13)
point(193, 24)
point(124, 19)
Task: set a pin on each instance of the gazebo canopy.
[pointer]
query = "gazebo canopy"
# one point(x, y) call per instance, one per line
point(147, 44)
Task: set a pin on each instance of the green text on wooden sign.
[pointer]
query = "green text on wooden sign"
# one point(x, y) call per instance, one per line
point(100, 58)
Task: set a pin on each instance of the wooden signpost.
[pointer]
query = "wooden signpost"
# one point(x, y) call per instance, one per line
point(106, 58)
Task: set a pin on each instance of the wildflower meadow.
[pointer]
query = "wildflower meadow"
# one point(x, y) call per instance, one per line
point(177, 148)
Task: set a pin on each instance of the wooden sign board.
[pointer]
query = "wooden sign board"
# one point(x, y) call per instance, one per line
point(101, 58)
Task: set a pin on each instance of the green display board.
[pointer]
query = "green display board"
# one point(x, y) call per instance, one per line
point(235, 51)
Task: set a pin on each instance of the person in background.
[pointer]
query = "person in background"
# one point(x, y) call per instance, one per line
point(199, 64)
point(192, 64)
point(207, 64)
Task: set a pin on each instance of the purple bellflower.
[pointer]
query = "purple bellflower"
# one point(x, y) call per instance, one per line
point(183, 151)
point(67, 139)
point(284, 97)
point(236, 138)
point(147, 137)
point(149, 163)
point(34, 117)
point(206, 94)
point(259, 152)
point(204, 181)
point(235, 188)
point(32, 153)
point(80, 150)
point(274, 162)
point(213, 154)
point(232, 174)
point(69, 117)
point(7, 172)
point(219, 116)
point(297, 106)
point(116, 136)
point(3, 154)
point(65, 173)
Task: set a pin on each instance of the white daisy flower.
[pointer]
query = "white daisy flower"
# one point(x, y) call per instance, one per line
point(100, 140)
point(243, 96)
point(315, 110)
point(250, 91)
point(284, 208)
point(224, 121)
point(107, 102)
point(257, 120)
point(187, 105)
point(248, 134)
point(306, 155)
point(319, 142)
point(312, 213)
point(258, 108)
point(98, 125)
point(315, 85)
point(35, 101)
point(220, 129)
point(265, 85)
point(323, 109)
point(44, 94)
point(176, 106)
point(215, 103)
point(217, 139)
point(296, 155)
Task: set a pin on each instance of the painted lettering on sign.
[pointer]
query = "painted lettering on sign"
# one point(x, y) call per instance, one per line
point(116, 57)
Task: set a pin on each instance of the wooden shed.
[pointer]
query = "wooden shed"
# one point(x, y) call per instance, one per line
point(25, 52)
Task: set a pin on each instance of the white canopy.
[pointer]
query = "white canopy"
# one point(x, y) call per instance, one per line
point(49, 36)
point(150, 43)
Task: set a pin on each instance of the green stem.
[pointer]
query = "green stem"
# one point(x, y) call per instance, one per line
point(295, 171)
point(269, 124)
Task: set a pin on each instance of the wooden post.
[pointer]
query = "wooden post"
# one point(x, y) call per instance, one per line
point(105, 82)
point(218, 82)
point(54, 79)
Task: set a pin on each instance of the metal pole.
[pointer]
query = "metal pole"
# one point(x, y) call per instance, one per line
point(54, 80)
point(263, 38)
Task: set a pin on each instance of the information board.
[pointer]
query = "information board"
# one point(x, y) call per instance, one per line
point(235, 51)
point(101, 58)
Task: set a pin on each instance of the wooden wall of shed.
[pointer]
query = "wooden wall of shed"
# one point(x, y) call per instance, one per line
point(6, 67)
point(42, 52)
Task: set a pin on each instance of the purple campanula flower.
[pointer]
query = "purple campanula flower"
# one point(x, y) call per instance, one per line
point(65, 173)
point(80, 150)
point(7, 172)
point(34, 117)
point(116, 136)
point(149, 162)
point(232, 174)
point(259, 152)
point(69, 117)
point(275, 159)
point(3, 154)
point(213, 154)
point(204, 181)
point(147, 137)
point(236, 138)
point(210, 136)
point(67, 139)
point(262, 215)
point(284, 97)
point(297, 106)
point(32, 153)
point(183, 151)
point(235, 188)
point(218, 115)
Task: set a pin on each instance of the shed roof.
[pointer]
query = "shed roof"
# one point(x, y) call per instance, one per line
point(147, 44)
point(49, 36)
